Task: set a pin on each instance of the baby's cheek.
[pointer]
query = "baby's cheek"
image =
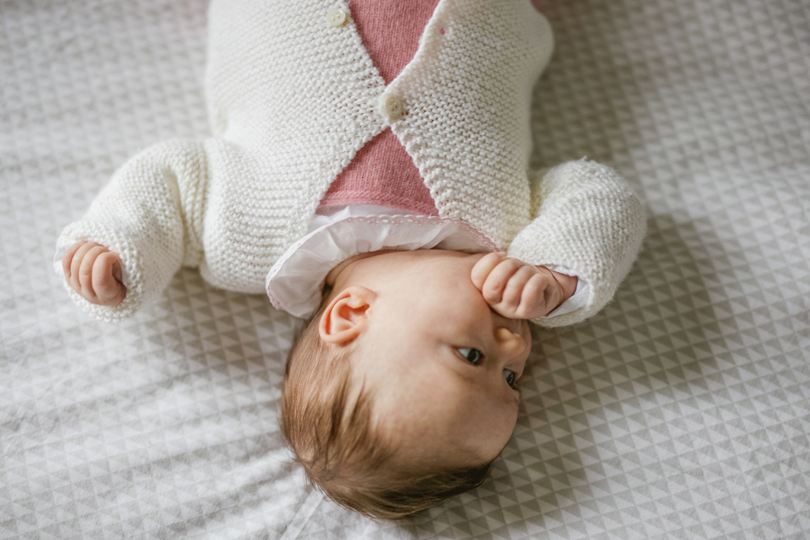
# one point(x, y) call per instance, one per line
point(538, 5)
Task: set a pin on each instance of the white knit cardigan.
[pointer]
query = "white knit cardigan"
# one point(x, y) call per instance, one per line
point(292, 98)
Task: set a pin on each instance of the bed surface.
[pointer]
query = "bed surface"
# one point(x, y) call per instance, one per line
point(680, 411)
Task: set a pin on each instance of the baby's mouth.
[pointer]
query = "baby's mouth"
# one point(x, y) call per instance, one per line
point(513, 325)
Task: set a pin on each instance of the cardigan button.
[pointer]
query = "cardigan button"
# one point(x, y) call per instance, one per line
point(391, 107)
point(337, 17)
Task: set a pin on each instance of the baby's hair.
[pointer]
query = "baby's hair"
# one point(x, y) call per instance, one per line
point(328, 425)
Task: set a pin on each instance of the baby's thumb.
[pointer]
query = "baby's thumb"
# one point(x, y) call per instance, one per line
point(107, 277)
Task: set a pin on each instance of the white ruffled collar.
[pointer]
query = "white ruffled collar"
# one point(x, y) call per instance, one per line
point(295, 283)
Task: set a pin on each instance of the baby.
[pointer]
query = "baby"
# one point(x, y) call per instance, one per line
point(369, 171)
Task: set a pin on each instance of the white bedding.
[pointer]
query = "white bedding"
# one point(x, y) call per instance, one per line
point(680, 411)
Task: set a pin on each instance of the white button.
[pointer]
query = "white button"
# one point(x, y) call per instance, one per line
point(391, 107)
point(336, 17)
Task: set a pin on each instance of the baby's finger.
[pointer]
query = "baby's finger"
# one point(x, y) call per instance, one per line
point(67, 258)
point(484, 266)
point(86, 272)
point(76, 264)
point(497, 279)
point(533, 302)
point(106, 279)
point(513, 292)
point(553, 294)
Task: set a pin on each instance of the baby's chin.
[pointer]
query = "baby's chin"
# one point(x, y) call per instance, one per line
point(433, 258)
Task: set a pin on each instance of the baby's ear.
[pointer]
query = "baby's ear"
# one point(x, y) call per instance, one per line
point(346, 317)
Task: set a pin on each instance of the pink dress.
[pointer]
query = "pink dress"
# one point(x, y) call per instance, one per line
point(382, 173)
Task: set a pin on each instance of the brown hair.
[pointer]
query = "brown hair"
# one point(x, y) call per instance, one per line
point(327, 422)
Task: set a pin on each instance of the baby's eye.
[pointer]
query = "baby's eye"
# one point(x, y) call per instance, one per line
point(509, 376)
point(473, 356)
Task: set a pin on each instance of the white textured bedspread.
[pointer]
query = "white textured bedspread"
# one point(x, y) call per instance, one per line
point(680, 411)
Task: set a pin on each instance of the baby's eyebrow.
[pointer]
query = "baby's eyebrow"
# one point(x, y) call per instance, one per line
point(461, 370)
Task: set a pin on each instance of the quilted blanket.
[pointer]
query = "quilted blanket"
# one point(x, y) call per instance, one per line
point(680, 411)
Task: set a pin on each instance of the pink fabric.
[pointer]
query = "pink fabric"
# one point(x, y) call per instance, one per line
point(382, 173)
point(390, 30)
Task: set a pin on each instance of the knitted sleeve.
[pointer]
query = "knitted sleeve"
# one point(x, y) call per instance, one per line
point(586, 217)
point(151, 214)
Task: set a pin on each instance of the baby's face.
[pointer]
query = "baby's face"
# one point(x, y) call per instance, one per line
point(441, 364)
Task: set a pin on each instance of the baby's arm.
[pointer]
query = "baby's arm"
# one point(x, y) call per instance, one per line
point(518, 290)
point(149, 219)
point(586, 218)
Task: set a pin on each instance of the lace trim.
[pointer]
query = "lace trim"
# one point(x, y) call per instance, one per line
point(485, 242)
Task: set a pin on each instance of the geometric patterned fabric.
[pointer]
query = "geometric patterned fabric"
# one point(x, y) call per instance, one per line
point(681, 411)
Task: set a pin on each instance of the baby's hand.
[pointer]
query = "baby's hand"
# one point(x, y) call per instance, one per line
point(518, 290)
point(94, 272)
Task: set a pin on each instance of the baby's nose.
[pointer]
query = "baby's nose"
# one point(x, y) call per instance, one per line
point(511, 343)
